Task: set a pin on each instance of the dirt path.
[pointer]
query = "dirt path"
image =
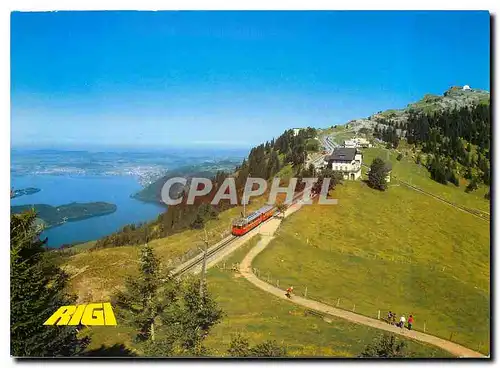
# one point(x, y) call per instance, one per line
point(267, 233)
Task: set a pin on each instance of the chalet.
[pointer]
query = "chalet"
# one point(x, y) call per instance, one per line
point(346, 161)
point(357, 143)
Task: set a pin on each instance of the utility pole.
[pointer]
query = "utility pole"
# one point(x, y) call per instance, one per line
point(244, 205)
point(204, 265)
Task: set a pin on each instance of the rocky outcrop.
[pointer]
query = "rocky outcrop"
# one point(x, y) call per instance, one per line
point(453, 98)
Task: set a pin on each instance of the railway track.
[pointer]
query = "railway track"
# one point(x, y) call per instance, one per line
point(219, 247)
point(198, 259)
point(478, 213)
point(485, 216)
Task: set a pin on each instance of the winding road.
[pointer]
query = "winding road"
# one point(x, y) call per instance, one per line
point(267, 232)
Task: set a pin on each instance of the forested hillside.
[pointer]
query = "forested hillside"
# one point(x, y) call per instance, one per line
point(454, 139)
point(264, 161)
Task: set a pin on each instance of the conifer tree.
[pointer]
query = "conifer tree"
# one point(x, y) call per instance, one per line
point(36, 292)
point(240, 348)
point(171, 318)
point(195, 315)
point(386, 346)
point(377, 174)
point(141, 303)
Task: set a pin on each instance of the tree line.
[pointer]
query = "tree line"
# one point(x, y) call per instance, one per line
point(457, 142)
point(263, 161)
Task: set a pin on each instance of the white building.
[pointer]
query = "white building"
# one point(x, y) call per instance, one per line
point(350, 143)
point(466, 87)
point(347, 161)
point(357, 143)
point(296, 131)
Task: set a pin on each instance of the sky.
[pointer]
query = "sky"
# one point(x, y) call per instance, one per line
point(228, 79)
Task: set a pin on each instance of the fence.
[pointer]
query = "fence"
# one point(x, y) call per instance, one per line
point(366, 309)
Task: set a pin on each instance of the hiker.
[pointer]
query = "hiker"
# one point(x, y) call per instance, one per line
point(289, 292)
point(389, 317)
point(410, 322)
point(402, 321)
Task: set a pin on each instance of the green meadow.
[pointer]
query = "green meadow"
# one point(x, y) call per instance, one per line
point(397, 250)
point(408, 171)
point(95, 274)
point(259, 316)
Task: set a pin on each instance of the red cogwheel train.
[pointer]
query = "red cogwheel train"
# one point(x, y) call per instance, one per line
point(244, 225)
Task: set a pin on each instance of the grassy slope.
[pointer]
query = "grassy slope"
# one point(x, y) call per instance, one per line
point(417, 175)
point(269, 318)
point(260, 317)
point(96, 274)
point(397, 250)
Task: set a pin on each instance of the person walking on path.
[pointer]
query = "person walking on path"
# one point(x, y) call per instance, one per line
point(402, 321)
point(410, 322)
point(289, 292)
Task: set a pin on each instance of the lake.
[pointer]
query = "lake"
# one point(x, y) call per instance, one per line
point(81, 176)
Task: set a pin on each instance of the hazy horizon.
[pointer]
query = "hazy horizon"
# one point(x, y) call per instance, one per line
point(228, 79)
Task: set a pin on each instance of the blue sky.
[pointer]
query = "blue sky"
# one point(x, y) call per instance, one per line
point(228, 78)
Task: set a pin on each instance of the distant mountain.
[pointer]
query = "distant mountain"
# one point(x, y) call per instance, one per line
point(152, 192)
point(453, 98)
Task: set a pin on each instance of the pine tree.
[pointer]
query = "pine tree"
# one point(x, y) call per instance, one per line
point(171, 318)
point(268, 349)
point(36, 292)
point(195, 316)
point(240, 348)
point(387, 346)
point(472, 185)
point(377, 175)
point(141, 303)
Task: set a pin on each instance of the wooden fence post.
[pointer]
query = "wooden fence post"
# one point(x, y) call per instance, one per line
point(305, 293)
point(268, 277)
point(338, 302)
point(277, 283)
point(354, 308)
point(378, 314)
point(424, 326)
point(224, 266)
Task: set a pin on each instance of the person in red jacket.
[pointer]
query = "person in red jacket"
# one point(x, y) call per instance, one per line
point(289, 292)
point(410, 322)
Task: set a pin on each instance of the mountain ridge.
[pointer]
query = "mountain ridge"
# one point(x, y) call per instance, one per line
point(453, 98)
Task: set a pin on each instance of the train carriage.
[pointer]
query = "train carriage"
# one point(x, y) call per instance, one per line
point(244, 225)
